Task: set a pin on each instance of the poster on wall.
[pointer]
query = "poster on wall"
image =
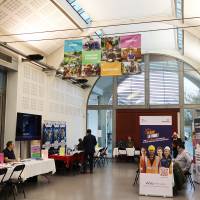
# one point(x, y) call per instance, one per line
point(54, 134)
point(156, 168)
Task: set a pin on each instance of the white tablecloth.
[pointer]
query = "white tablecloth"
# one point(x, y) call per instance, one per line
point(33, 168)
point(128, 152)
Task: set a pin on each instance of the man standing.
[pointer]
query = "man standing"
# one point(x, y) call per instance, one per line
point(9, 155)
point(89, 143)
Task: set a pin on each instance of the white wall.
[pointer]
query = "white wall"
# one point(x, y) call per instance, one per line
point(53, 98)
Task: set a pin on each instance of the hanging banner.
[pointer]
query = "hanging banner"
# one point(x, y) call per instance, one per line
point(131, 53)
point(156, 169)
point(54, 134)
point(84, 58)
point(111, 68)
point(91, 63)
point(72, 58)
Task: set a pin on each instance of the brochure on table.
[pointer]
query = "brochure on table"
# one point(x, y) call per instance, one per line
point(156, 168)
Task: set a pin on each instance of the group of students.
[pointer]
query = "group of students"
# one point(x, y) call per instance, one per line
point(155, 159)
point(152, 162)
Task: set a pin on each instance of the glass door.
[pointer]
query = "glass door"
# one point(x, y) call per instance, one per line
point(100, 122)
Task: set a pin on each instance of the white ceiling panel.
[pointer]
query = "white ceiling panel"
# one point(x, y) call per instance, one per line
point(22, 16)
point(117, 9)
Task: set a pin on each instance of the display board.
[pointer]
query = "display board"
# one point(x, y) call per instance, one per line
point(156, 168)
point(54, 134)
point(108, 56)
point(196, 146)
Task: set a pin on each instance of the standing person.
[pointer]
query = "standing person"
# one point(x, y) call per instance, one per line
point(9, 155)
point(89, 143)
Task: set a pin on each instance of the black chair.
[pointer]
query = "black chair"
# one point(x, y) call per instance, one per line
point(137, 175)
point(188, 177)
point(3, 189)
point(76, 164)
point(98, 159)
point(15, 181)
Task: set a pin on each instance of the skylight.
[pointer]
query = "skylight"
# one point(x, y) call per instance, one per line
point(179, 15)
point(81, 12)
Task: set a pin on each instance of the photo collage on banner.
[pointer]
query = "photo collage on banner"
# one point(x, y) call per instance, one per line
point(109, 56)
point(131, 53)
point(54, 134)
point(156, 160)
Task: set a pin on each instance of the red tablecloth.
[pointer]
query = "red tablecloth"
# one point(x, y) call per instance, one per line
point(69, 159)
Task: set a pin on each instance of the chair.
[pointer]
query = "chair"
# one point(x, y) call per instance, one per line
point(99, 159)
point(15, 180)
point(3, 190)
point(76, 165)
point(188, 177)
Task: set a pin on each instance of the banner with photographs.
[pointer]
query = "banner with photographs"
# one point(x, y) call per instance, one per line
point(72, 58)
point(54, 134)
point(131, 53)
point(156, 165)
point(85, 58)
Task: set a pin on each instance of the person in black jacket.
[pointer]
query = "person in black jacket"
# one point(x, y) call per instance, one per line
point(89, 143)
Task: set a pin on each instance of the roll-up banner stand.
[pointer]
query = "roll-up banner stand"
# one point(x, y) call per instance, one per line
point(156, 170)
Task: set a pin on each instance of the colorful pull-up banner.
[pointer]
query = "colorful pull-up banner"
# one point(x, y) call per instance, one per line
point(156, 169)
point(54, 134)
point(87, 57)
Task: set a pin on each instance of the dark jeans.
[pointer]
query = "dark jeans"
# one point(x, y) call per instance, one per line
point(89, 159)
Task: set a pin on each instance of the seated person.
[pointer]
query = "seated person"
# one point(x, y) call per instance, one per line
point(183, 158)
point(80, 146)
point(175, 140)
point(9, 155)
point(130, 143)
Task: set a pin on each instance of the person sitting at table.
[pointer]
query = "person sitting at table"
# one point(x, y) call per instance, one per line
point(152, 161)
point(80, 146)
point(166, 160)
point(130, 143)
point(9, 155)
point(175, 140)
point(183, 158)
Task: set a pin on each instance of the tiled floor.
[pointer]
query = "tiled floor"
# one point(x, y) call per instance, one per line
point(113, 182)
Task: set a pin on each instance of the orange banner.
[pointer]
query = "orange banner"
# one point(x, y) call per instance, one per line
point(111, 68)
